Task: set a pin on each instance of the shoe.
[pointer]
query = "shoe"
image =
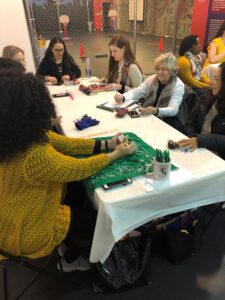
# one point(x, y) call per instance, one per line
point(62, 249)
point(80, 264)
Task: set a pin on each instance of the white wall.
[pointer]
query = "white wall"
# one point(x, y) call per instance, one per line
point(14, 30)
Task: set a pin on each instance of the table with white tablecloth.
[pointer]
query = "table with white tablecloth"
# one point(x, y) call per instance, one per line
point(198, 181)
point(210, 71)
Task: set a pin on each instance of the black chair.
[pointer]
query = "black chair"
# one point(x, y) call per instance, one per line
point(27, 263)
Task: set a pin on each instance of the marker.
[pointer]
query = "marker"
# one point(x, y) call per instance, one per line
point(70, 95)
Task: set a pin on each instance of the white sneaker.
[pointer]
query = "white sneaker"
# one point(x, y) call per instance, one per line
point(62, 249)
point(80, 264)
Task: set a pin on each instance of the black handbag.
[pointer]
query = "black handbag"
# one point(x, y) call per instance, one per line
point(181, 235)
point(128, 264)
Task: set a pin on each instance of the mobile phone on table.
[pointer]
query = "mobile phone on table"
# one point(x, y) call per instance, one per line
point(111, 185)
point(134, 114)
point(60, 95)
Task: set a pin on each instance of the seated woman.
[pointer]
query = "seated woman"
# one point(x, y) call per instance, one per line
point(162, 92)
point(14, 53)
point(216, 49)
point(58, 65)
point(190, 65)
point(35, 164)
point(124, 72)
point(206, 122)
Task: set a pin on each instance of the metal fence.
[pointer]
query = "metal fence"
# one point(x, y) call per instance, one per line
point(93, 22)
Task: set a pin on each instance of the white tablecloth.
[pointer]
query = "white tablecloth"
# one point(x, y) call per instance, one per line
point(210, 71)
point(125, 208)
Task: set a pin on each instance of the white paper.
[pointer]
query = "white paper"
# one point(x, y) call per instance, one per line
point(114, 104)
point(176, 177)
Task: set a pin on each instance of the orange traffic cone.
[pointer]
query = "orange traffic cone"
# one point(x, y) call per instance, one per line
point(161, 47)
point(82, 51)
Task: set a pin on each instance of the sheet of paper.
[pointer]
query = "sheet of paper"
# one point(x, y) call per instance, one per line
point(176, 177)
point(114, 104)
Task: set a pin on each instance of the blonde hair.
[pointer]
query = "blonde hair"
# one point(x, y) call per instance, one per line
point(11, 51)
point(169, 59)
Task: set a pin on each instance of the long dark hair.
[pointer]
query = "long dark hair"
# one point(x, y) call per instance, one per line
point(221, 30)
point(187, 43)
point(26, 110)
point(120, 41)
point(220, 105)
point(68, 59)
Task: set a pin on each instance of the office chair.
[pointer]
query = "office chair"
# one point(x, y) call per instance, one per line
point(27, 263)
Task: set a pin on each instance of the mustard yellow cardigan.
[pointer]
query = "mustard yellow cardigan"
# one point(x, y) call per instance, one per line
point(185, 74)
point(32, 219)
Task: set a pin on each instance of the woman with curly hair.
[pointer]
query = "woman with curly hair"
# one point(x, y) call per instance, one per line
point(124, 71)
point(35, 164)
point(58, 65)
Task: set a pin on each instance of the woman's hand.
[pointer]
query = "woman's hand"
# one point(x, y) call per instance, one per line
point(112, 87)
point(121, 150)
point(118, 98)
point(191, 143)
point(114, 141)
point(65, 77)
point(52, 79)
point(150, 110)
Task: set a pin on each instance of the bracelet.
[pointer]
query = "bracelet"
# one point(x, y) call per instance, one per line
point(106, 145)
point(157, 111)
point(123, 88)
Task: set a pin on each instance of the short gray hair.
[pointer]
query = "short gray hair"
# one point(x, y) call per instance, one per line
point(170, 61)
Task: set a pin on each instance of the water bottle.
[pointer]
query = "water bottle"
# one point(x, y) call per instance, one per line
point(88, 67)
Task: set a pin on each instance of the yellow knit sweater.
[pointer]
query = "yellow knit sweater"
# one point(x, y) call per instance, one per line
point(32, 220)
point(185, 74)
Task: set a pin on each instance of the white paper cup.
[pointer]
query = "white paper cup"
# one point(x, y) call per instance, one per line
point(161, 171)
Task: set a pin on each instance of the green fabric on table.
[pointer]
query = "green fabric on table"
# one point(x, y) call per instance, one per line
point(126, 167)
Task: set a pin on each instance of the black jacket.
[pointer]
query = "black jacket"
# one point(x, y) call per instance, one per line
point(214, 142)
point(198, 114)
point(49, 68)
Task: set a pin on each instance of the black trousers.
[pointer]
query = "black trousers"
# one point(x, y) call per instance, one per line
point(82, 223)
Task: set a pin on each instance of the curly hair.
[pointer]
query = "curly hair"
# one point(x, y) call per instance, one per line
point(120, 41)
point(187, 43)
point(26, 109)
point(10, 65)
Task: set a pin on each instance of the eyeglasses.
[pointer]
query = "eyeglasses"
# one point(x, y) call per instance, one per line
point(58, 50)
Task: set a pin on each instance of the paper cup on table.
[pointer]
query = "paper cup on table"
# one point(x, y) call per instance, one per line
point(161, 170)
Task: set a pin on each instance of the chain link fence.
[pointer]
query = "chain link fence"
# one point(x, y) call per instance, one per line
point(93, 22)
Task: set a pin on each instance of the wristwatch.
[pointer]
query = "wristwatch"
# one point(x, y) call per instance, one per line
point(47, 78)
